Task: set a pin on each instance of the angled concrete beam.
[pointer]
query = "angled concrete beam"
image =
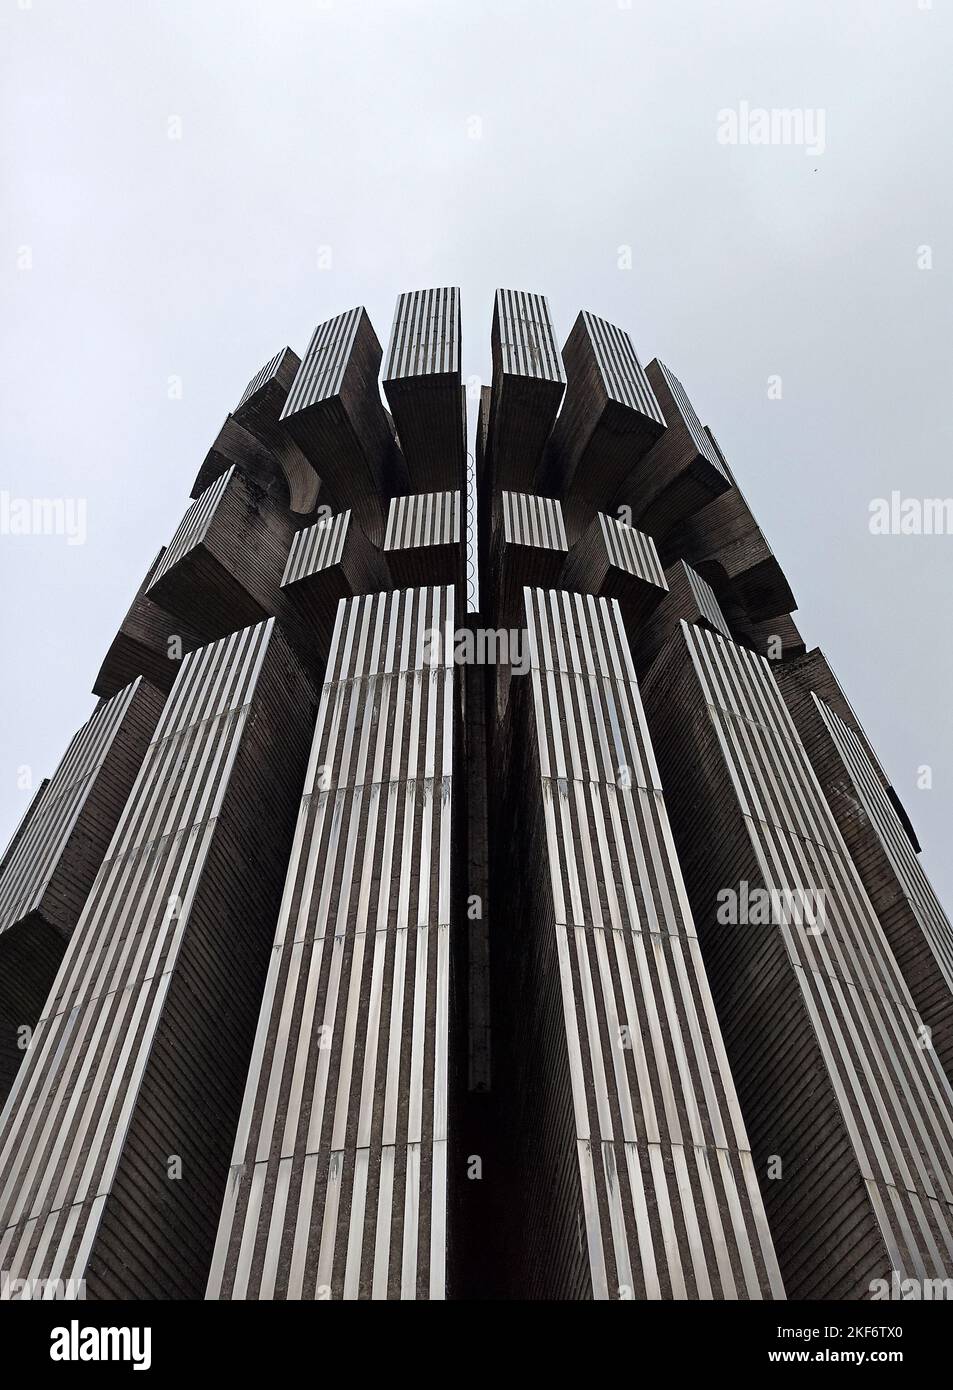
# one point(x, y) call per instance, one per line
point(529, 546)
point(776, 638)
point(724, 543)
point(22, 824)
point(236, 446)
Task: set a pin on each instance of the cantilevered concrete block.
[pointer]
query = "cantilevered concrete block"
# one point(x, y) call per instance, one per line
point(150, 643)
point(632, 1174)
point(140, 1056)
point(724, 543)
point(529, 547)
point(613, 560)
point(424, 540)
point(423, 386)
point(334, 413)
point(252, 440)
point(223, 567)
point(528, 385)
point(49, 869)
point(682, 473)
point(329, 561)
point(259, 414)
point(236, 446)
point(822, 1035)
point(609, 420)
point(689, 599)
point(776, 638)
point(338, 1185)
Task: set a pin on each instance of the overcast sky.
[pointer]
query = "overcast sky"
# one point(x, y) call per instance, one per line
point(187, 187)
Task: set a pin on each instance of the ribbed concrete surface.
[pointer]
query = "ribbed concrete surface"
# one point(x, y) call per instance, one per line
point(912, 917)
point(633, 1176)
point(338, 1185)
point(329, 561)
point(223, 567)
point(259, 412)
point(424, 542)
point(334, 414)
point(528, 386)
point(683, 472)
point(822, 1035)
point(49, 871)
point(150, 643)
point(528, 546)
point(610, 419)
point(139, 1059)
point(424, 388)
point(614, 560)
point(689, 599)
point(522, 798)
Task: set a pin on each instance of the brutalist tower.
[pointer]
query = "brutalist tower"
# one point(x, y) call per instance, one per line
point(468, 884)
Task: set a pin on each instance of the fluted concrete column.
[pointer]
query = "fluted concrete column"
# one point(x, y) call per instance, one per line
point(338, 1184)
point(633, 1176)
point(114, 1142)
point(850, 1115)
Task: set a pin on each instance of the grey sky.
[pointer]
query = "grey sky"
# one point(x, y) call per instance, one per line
point(494, 142)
